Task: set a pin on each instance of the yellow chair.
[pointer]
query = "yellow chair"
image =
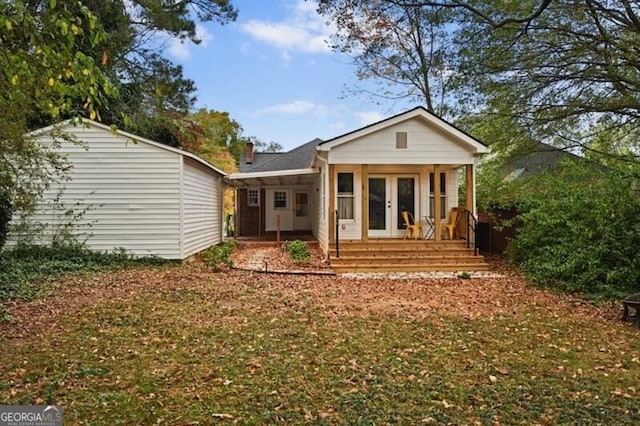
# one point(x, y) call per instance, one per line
point(413, 229)
point(452, 222)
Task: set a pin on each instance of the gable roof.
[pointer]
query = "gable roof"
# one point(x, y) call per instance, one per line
point(534, 159)
point(419, 112)
point(135, 138)
point(296, 159)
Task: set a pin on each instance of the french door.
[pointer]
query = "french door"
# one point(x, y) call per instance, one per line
point(389, 195)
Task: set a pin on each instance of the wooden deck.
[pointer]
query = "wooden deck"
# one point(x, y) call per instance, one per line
point(393, 255)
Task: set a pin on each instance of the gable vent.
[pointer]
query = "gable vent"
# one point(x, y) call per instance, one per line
point(401, 140)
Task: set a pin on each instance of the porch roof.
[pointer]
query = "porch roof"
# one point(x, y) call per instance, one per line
point(294, 177)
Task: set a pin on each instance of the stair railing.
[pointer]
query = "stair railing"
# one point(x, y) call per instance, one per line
point(472, 231)
point(337, 233)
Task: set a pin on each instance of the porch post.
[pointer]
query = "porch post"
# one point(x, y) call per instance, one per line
point(470, 187)
point(436, 202)
point(365, 202)
point(332, 205)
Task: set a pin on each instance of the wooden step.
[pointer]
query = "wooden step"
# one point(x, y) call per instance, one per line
point(406, 260)
point(402, 252)
point(394, 255)
point(389, 244)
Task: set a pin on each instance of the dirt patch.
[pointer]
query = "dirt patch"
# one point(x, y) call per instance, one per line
point(274, 257)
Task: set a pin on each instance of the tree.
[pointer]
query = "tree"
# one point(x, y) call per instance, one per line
point(43, 71)
point(564, 72)
point(261, 146)
point(405, 49)
point(568, 75)
point(221, 131)
point(153, 90)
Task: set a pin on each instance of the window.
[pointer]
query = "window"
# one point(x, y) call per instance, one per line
point(253, 197)
point(280, 200)
point(443, 195)
point(346, 197)
point(401, 140)
point(302, 204)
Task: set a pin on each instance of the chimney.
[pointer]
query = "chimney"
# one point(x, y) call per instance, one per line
point(248, 153)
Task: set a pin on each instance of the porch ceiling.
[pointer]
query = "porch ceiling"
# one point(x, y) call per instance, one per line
point(303, 177)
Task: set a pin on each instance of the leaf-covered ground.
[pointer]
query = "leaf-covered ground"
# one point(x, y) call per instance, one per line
point(182, 345)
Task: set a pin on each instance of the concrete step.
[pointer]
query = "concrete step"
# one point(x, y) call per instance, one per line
point(471, 267)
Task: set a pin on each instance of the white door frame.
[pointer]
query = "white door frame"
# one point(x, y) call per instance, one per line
point(392, 210)
point(301, 223)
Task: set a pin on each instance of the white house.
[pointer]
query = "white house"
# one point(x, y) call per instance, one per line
point(352, 189)
point(129, 192)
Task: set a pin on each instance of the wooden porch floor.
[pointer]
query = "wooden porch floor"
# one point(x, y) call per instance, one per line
point(398, 255)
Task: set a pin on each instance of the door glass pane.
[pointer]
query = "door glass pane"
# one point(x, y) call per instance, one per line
point(302, 204)
point(377, 203)
point(406, 199)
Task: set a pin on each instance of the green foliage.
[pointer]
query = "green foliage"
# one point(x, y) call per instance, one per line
point(220, 131)
point(578, 231)
point(23, 267)
point(219, 256)
point(43, 73)
point(299, 251)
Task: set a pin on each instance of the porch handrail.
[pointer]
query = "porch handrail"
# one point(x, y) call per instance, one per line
point(472, 228)
point(337, 233)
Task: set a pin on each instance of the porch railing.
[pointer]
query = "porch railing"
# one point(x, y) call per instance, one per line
point(472, 231)
point(337, 233)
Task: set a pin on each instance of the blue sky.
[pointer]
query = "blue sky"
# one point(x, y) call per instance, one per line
point(273, 71)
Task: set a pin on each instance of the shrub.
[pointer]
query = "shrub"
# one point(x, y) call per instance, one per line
point(299, 251)
point(579, 232)
point(218, 256)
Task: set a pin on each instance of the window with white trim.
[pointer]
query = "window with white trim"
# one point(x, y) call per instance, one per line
point(253, 197)
point(280, 200)
point(443, 195)
point(346, 196)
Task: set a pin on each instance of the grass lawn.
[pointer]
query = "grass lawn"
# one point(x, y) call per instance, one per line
point(177, 344)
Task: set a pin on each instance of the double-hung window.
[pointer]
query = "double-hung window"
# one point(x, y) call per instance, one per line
point(346, 196)
point(443, 195)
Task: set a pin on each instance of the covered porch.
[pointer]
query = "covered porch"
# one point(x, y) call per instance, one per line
point(368, 232)
point(366, 202)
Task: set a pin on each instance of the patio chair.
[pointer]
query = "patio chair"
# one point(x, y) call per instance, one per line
point(452, 222)
point(413, 229)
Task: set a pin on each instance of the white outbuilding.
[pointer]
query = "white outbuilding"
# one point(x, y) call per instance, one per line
point(128, 192)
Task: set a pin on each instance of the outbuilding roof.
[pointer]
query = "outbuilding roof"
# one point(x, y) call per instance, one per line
point(135, 138)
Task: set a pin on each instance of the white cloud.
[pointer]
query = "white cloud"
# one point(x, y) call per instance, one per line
point(181, 49)
point(294, 107)
point(303, 31)
point(178, 48)
point(369, 117)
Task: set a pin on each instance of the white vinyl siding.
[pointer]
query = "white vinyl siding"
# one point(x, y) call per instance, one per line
point(321, 222)
point(202, 214)
point(129, 192)
point(425, 145)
